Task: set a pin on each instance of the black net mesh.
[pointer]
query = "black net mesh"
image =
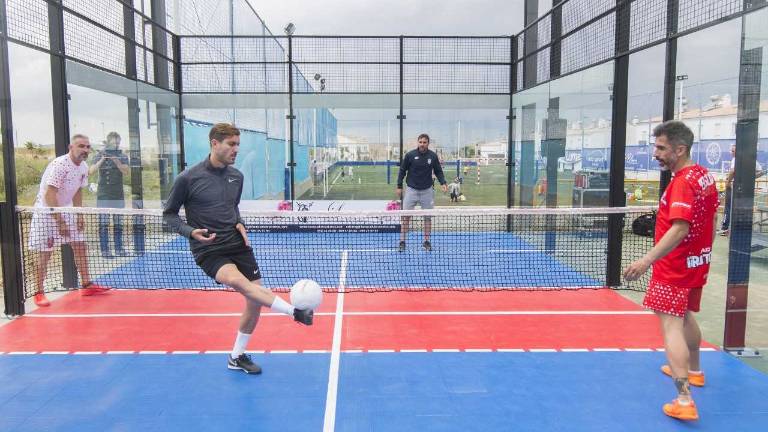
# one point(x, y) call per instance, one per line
point(489, 249)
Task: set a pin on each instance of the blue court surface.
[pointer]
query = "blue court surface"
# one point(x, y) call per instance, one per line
point(590, 391)
point(458, 260)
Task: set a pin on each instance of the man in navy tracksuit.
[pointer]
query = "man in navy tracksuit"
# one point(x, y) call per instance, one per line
point(419, 164)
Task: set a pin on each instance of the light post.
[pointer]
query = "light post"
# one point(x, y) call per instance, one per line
point(681, 79)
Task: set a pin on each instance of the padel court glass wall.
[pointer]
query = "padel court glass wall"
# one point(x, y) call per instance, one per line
point(558, 115)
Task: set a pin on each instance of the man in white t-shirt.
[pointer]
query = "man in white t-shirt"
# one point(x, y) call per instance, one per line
point(61, 186)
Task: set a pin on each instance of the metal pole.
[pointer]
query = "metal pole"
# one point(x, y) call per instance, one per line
point(670, 68)
point(616, 195)
point(61, 118)
point(10, 241)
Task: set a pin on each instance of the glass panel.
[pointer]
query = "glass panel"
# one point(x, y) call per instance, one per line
point(263, 153)
point(32, 110)
point(706, 100)
point(347, 148)
point(530, 109)
point(469, 135)
point(98, 115)
point(756, 40)
point(645, 108)
point(583, 102)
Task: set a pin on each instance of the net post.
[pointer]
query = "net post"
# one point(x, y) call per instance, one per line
point(13, 288)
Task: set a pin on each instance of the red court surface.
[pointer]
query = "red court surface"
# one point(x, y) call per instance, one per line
point(196, 321)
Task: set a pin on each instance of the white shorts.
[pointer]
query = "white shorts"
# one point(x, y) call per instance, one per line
point(44, 233)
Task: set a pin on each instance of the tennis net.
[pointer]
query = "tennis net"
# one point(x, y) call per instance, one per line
point(471, 249)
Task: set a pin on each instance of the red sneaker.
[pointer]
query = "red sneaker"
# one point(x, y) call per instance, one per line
point(92, 288)
point(41, 300)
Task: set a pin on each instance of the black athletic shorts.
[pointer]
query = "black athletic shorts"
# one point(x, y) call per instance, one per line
point(241, 256)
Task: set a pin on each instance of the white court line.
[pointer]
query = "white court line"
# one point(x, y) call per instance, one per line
point(370, 313)
point(329, 421)
point(359, 351)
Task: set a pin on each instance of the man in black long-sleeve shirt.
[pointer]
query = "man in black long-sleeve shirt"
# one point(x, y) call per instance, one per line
point(419, 164)
point(210, 193)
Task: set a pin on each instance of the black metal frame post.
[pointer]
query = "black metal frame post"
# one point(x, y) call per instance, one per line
point(556, 33)
point(511, 128)
point(163, 112)
point(291, 163)
point(670, 76)
point(59, 97)
point(10, 241)
point(743, 197)
point(401, 115)
point(620, 98)
point(134, 132)
point(531, 38)
point(178, 86)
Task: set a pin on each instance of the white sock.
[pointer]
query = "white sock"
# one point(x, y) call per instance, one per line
point(240, 343)
point(282, 306)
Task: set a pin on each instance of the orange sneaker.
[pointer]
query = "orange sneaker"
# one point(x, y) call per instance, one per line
point(41, 300)
point(693, 379)
point(92, 288)
point(679, 411)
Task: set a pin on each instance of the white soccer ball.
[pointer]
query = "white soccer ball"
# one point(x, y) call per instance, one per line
point(306, 294)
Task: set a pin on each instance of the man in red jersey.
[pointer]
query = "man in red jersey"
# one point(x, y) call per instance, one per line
point(685, 229)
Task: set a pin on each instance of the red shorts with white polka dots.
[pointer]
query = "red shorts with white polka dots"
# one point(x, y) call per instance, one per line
point(670, 299)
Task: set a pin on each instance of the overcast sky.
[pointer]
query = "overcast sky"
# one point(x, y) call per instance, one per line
point(710, 58)
point(393, 17)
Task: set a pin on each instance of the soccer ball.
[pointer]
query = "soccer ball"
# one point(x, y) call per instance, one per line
point(306, 294)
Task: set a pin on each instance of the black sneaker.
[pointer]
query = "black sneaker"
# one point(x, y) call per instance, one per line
point(243, 363)
point(427, 245)
point(303, 316)
point(401, 247)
